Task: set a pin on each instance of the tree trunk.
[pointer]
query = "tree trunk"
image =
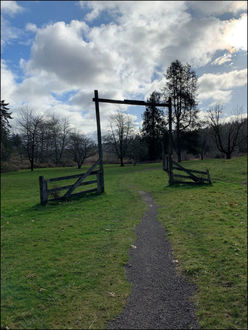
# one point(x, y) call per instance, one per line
point(121, 159)
point(228, 155)
point(32, 164)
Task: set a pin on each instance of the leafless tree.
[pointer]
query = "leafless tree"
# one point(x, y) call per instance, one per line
point(226, 135)
point(121, 130)
point(59, 131)
point(30, 124)
point(81, 148)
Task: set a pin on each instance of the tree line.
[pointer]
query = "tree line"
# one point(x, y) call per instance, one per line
point(51, 141)
point(42, 141)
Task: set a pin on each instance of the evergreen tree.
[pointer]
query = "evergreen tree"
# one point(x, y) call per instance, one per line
point(153, 126)
point(5, 126)
point(181, 86)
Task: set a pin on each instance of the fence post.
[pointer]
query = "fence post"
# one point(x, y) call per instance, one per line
point(209, 180)
point(99, 190)
point(99, 138)
point(43, 190)
point(170, 169)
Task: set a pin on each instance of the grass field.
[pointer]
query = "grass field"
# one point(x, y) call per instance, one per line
point(62, 265)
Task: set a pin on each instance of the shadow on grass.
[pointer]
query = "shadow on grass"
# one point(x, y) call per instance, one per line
point(52, 205)
point(188, 186)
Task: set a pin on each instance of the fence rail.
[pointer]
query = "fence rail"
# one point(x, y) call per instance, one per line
point(45, 192)
point(170, 166)
point(69, 177)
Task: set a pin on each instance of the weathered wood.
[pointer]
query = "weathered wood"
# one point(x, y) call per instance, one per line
point(43, 190)
point(208, 175)
point(131, 102)
point(70, 176)
point(188, 177)
point(195, 178)
point(74, 195)
point(81, 193)
point(99, 139)
point(99, 188)
point(164, 158)
point(194, 171)
point(69, 186)
point(169, 161)
point(77, 183)
point(181, 176)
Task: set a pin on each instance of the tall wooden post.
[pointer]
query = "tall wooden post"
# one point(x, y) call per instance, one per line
point(170, 171)
point(43, 190)
point(99, 139)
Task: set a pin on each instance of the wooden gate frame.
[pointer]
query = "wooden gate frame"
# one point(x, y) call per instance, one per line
point(167, 164)
point(97, 100)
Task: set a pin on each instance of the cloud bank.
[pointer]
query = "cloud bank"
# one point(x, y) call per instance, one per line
point(127, 57)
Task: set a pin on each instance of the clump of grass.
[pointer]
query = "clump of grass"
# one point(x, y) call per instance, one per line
point(61, 262)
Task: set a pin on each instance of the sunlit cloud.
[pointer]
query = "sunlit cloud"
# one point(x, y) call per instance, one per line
point(236, 34)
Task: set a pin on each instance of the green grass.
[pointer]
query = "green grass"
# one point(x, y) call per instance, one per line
point(60, 263)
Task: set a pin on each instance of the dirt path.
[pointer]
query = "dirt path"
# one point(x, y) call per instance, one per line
point(159, 298)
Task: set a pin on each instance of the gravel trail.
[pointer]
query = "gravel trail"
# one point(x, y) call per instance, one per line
point(159, 297)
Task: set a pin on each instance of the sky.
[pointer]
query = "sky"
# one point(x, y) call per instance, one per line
point(54, 54)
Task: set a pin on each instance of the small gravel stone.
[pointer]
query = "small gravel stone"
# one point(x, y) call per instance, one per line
point(160, 298)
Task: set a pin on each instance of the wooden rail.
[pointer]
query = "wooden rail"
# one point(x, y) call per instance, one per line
point(69, 177)
point(45, 192)
point(170, 166)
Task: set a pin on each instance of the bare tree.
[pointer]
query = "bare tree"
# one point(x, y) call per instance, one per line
point(30, 124)
point(81, 148)
point(226, 135)
point(60, 131)
point(121, 130)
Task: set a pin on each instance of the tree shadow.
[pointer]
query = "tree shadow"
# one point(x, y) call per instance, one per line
point(53, 205)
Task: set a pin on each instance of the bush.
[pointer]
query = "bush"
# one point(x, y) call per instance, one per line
point(15, 163)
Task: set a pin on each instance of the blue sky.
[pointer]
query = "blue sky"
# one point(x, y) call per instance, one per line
point(55, 53)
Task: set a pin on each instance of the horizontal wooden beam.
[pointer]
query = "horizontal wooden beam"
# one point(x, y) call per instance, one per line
point(185, 182)
point(84, 192)
point(49, 191)
point(194, 171)
point(182, 176)
point(193, 177)
point(70, 176)
point(132, 102)
point(81, 179)
point(73, 195)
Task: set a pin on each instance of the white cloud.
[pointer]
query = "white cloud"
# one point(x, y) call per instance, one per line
point(227, 57)
point(7, 83)
point(11, 8)
point(235, 33)
point(219, 86)
point(208, 8)
point(9, 32)
point(31, 27)
point(120, 58)
point(239, 116)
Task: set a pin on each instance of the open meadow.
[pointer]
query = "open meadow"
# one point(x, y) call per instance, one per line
point(62, 264)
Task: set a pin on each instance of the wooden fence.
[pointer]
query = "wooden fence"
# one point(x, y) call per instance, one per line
point(194, 176)
point(45, 192)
